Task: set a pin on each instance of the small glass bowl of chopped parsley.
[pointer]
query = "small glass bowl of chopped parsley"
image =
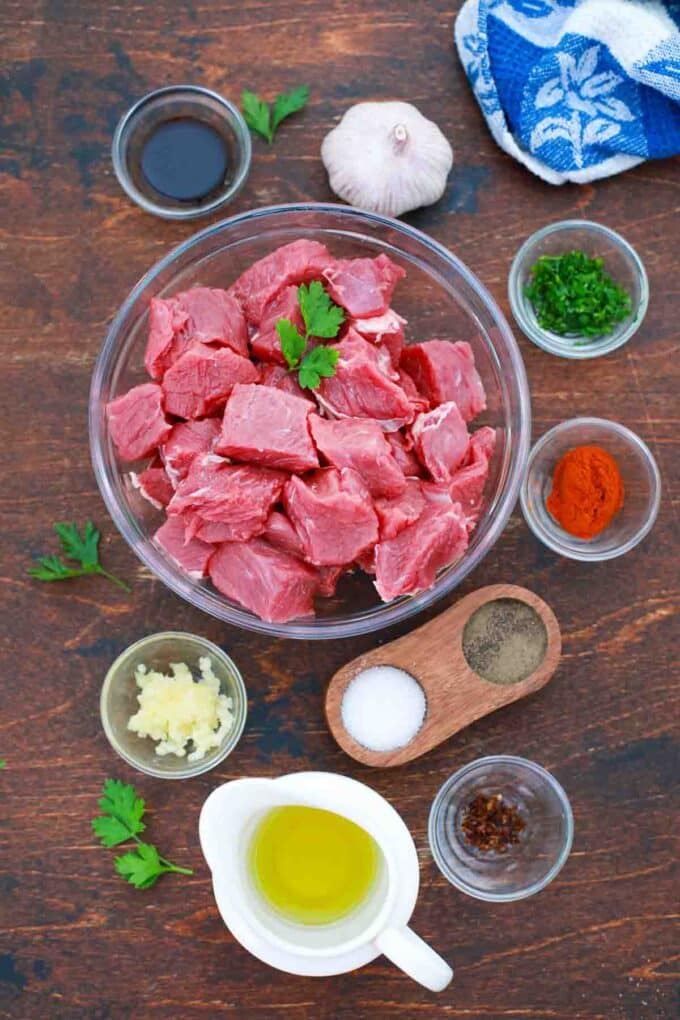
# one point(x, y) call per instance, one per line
point(578, 289)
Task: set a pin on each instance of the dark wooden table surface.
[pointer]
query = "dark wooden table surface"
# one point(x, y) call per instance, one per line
point(75, 942)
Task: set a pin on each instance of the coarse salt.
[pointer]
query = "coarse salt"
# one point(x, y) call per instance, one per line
point(383, 708)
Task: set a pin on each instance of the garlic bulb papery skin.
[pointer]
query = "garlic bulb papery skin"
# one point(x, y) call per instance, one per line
point(387, 158)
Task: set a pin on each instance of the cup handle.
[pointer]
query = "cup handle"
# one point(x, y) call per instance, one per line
point(408, 951)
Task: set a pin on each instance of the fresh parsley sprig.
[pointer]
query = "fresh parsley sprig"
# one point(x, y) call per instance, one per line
point(81, 548)
point(322, 318)
point(121, 822)
point(265, 120)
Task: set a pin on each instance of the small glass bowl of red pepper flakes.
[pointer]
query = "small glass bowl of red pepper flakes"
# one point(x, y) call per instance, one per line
point(501, 828)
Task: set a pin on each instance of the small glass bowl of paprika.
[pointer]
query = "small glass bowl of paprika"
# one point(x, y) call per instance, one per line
point(592, 489)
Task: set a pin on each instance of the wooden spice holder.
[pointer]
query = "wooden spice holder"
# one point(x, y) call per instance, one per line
point(433, 655)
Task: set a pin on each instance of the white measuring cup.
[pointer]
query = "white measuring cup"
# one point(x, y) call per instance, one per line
point(379, 925)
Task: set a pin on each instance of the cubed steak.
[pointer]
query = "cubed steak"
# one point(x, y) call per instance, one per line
point(441, 440)
point(418, 400)
point(280, 533)
point(467, 484)
point(136, 421)
point(279, 378)
point(269, 582)
point(188, 439)
point(397, 513)
point(401, 445)
point(238, 497)
point(360, 444)
point(361, 388)
point(363, 287)
point(294, 263)
point(267, 426)
point(409, 562)
point(154, 484)
point(266, 344)
point(445, 371)
point(333, 514)
point(200, 381)
point(191, 555)
point(386, 330)
point(166, 341)
point(201, 315)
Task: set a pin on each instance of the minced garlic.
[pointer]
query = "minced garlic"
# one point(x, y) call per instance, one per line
point(176, 709)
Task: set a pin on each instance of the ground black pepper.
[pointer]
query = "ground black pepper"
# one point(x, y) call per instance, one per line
point(491, 825)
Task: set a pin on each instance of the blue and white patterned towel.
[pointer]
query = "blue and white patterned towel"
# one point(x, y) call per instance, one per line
point(575, 89)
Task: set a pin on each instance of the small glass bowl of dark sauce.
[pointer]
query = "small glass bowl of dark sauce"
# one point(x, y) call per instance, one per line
point(182, 152)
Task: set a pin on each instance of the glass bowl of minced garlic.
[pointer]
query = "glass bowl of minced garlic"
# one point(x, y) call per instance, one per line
point(173, 705)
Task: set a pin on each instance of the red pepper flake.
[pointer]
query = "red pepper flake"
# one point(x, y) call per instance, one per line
point(491, 825)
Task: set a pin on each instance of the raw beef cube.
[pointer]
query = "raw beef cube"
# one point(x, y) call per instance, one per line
point(136, 421)
point(409, 562)
point(445, 371)
point(214, 316)
point(167, 320)
point(192, 555)
point(280, 533)
point(285, 305)
point(267, 426)
point(467, 484)
point(419, 403)
point(279, 378)
point(397, 513)
point(366, 561)
point(386, 330)
point(402, 451)
point(360, 444)
point(294, 263)
point(187, 440)
point(200, 381)
point(333, 515)
point(361, 388)
point(441, 440)
point(236, 496)
point(363, 287)
point(154, 484)
point(270, 583)
point(327, 580)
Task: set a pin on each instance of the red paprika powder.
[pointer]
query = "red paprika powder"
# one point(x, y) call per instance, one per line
point(587, 491)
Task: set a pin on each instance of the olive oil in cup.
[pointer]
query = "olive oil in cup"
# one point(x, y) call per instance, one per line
point(312, 866)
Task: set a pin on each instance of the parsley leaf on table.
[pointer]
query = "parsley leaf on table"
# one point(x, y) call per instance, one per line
point(320, 361)
point(81, 548)
point(259, 115)
point(322, 318)
point(288, 103)
point(121, 822)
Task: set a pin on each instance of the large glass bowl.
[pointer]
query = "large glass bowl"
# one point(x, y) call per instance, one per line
point(440, 297)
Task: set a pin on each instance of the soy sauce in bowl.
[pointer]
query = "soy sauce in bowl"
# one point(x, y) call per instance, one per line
point(185, 159)
point(182, 152)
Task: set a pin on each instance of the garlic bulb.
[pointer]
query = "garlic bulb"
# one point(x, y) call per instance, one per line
point(387, 158)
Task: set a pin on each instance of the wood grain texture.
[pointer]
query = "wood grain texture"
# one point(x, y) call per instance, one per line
point(75, 943)
point(433, 654)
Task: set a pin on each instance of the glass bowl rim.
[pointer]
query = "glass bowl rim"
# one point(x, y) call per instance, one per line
point(380, 616)
point(162, 211)
point(232, 738)
point(551, 342)
point(519, 764)
point(563, 546)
